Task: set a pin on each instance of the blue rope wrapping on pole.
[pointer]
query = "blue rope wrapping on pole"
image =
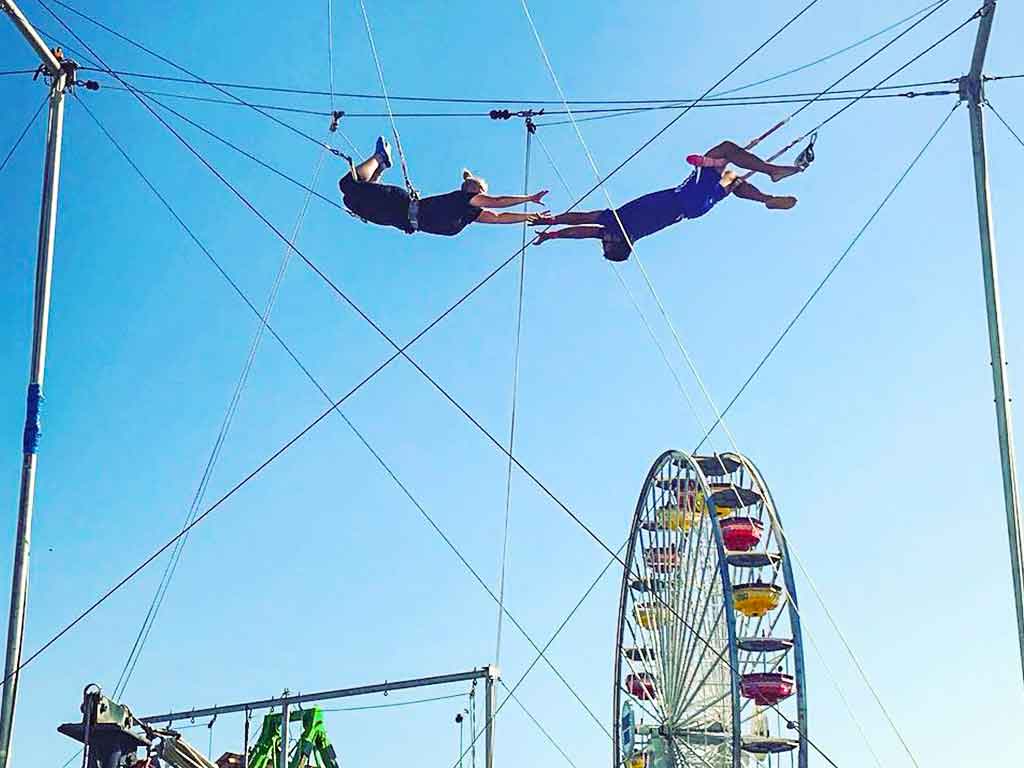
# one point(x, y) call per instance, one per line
point(33, 425)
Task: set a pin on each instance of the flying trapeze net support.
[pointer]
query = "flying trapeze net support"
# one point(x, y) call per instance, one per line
point(709, 667)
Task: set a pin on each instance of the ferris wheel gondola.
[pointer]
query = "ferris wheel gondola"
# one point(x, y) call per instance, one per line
point(709, 655)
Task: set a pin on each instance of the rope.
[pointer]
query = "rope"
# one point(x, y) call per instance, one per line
point(245, 153)
point(541, 728)
point(515, 395)
point(24, 132)
point(719, 419)
point(613, 105)
point(594, 114)
point(934, 9)
point(288, 444)
point(976, 15)
point(395, 704)
point(764, 359)
point(200, 494)
point(330, 49)
point(998, 116)
point(533, 663)
point(633, 300)
point(334, 406)
point(180, 68)
point(387, 101)
point(458, 100)
point(611, 206)
point(834, 54)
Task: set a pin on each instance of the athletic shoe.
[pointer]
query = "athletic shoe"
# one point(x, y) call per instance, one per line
point(383, 152)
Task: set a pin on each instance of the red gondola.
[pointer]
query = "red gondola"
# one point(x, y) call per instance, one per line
point(641, 685)
point(741, 534)
point(767, 688)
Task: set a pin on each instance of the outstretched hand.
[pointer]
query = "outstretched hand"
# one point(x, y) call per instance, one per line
point(540, 219)
point(538, 197)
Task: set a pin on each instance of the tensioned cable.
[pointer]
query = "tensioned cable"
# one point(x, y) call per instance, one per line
point(330, 49)
point(241, 151)
point(686, 355)
point(1001, 120)
point(675, 335)
point(516, 339)
point(200, 494)
point(593, 114)
point(387, 100)
point(615, 114)
point(835, 682)
point(633, 300)
point(392, 705)
point(24, 132)
point(841, 51)
point(611, 206)
point(976, 15)
point(817, 290)
point(600, 107)
point(536, 722)
point(288, 444)
point(400, 351)
point(827, 120)
point(457, 100)
point(527, 473)
point(282, 123)
point(335, 406)
point(661, 307)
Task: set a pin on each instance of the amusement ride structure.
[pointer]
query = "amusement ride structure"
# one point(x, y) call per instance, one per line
point(708, 656)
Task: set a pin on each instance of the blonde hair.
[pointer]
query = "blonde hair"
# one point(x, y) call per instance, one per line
point(471, 183)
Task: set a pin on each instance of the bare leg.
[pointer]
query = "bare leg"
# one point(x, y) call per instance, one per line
point(571, 233)
point(369, 170)
point(580, 217)
point(735, 154)
point(747, 191)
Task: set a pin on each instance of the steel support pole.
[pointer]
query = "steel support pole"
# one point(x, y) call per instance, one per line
point(972, 90)
point(44, 270)
point(490, 707)
point(303, 698)
point(245, 740)
point(282, 761)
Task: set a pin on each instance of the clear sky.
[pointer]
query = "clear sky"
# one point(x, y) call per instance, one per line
point(873, 422)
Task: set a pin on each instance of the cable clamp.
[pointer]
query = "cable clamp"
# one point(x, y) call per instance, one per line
point(336, 116)
point(505, 114)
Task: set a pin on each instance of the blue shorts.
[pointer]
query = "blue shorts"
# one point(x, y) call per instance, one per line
point(655, 211)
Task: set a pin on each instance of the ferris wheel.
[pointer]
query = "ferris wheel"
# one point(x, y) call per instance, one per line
point(709, 667)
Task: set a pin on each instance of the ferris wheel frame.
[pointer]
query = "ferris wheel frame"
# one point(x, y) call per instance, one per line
point(747, 472)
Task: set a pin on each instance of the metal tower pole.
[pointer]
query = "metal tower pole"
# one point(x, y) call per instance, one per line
point(489, 709)
point(972, 90)
point(60, 79)
point(282, 758)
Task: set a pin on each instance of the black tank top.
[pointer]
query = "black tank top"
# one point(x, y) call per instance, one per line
point(447, 214)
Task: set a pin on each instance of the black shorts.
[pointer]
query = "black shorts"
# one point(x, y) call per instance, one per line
point(383, 204)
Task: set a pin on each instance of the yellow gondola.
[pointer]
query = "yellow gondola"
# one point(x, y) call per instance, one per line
point(647, 615)
point(756, 599)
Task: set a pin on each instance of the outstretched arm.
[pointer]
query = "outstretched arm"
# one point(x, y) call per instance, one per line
point(490, 217)
point(506, 201)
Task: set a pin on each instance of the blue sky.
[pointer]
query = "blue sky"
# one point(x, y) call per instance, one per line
point(873, 422)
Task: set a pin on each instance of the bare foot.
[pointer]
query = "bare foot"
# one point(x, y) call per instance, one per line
point(780, 203)
point(783, 172)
